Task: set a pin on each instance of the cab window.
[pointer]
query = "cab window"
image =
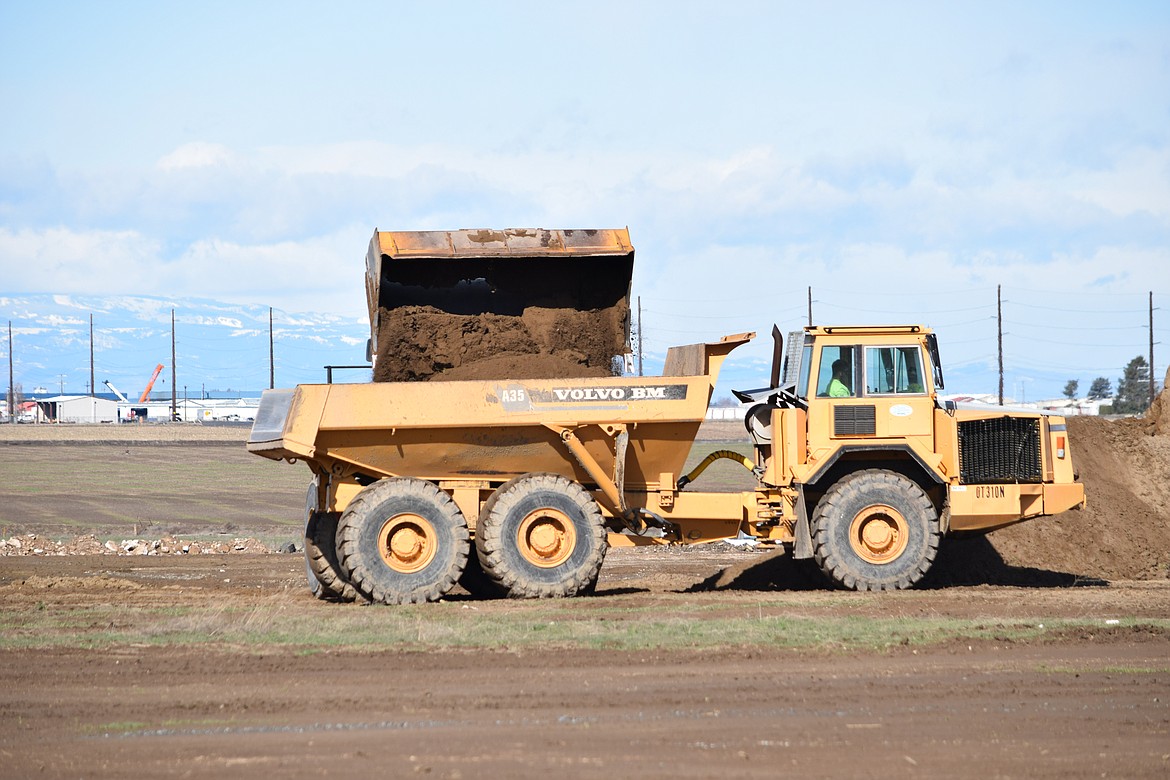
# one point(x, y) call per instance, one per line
point(894, 371)
point(805, 367)
point(835, 376)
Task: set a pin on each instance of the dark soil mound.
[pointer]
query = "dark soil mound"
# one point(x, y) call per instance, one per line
point(518, 366)
point(422, 342)
point(1124, 532)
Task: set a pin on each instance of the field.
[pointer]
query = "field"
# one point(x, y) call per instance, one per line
point(690, 662)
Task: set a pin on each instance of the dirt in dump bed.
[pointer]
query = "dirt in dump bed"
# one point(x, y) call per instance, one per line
point(422, 342)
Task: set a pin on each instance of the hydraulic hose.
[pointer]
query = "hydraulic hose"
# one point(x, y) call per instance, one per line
point(686, 479)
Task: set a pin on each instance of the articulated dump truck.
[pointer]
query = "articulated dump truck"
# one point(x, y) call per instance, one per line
point(515, 486)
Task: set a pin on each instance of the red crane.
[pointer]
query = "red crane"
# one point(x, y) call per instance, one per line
point(146, 393)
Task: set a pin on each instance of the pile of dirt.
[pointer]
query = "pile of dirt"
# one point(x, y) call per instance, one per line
point(424, 343)
point(1123, 533)
point(1158, 415)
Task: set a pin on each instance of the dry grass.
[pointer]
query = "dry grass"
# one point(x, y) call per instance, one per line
point(170, 432)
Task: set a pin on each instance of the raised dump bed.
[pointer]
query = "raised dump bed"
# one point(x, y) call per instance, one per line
point(485, 304)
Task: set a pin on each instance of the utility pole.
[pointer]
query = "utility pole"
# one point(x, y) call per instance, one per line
point(810, 305)
point(92, 389)
point(1151, 347)
point(999, 335)
point(639, 335)
point(174, 400)
point(271, 354)
point(11, 385)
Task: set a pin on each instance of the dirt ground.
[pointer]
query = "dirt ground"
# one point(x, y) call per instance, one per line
point(1049, 657)
point(1069, 703)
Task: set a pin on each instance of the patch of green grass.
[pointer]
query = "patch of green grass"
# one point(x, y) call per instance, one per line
point(278, 622)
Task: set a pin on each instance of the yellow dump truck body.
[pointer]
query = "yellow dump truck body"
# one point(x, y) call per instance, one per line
point(416, 483)
point(497, 430)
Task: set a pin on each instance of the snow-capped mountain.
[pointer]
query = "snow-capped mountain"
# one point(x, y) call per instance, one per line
point(218, 346)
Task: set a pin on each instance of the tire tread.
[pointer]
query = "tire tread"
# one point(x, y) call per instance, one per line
point(361, 565)
point(496, 552)
point(838, 564)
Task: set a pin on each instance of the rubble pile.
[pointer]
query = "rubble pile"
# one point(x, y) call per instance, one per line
point(31, 544)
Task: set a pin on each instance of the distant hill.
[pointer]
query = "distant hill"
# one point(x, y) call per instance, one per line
point(220, 347)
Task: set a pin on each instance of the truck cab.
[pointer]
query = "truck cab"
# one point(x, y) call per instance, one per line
point(868, 382)
point(854, 418)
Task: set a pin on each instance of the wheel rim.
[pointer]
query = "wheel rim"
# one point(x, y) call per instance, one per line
point(407, 543)
point(546, 537)
point(879, 534)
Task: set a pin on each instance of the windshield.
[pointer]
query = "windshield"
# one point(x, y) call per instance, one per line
point(893, 371)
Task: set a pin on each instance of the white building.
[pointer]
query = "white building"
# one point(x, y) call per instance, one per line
point(77, 409)
point(191, 410)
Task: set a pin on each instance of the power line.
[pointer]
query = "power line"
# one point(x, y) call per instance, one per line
point(899, 312)
point(1080, 310)
point(693, 316)
point(1040, 326)
point(1080, 343)
point(1093, 293)
point(965, 291)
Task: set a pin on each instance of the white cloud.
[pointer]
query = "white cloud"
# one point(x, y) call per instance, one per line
point(1138, 183)
point(304, 275)
point(900, 174)
point(198, 154)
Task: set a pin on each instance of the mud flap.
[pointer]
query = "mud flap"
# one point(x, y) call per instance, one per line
point(802, 548)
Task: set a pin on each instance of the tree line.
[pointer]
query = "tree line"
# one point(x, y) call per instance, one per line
point(1133, 389)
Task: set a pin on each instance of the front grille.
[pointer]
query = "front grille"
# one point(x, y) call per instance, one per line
point(1004, 449)
point(854, 421)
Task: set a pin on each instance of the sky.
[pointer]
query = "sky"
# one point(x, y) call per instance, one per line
point(901, 160)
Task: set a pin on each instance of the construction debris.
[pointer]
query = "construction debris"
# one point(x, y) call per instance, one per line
point(31, 544)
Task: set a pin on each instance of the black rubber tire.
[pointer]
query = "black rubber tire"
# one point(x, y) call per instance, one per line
point(575, 565)
point(430, 515)
point(833, 525)
point(317, 586)
point(321, 559)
